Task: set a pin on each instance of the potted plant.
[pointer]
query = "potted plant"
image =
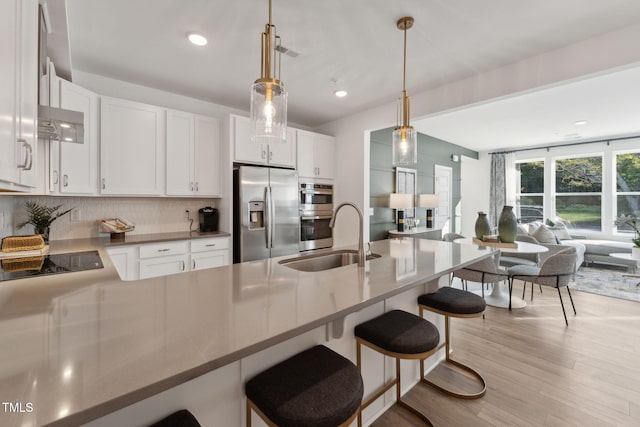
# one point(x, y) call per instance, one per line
point(41, 217)
point(634, 223)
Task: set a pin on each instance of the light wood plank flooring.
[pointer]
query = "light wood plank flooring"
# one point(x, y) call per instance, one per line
point(539, 372)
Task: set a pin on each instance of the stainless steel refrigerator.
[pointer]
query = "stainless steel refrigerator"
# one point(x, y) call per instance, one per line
point(266, 213)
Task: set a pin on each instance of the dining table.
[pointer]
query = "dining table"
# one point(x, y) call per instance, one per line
point(499, 296)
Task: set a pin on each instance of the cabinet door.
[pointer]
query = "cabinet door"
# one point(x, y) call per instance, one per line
point(306, 155)
point(131, 147)
point(245, 150)
point(8, 57)
point(180, 154)
point(284, 154)
point(28, 91)
point(79, 162)
point(210, 259)
point(207, 157)
point(124, 259)
point(163, 266)
point(324, 148)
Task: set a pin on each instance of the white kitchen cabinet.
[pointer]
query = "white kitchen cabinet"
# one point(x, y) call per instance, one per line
point(247, 151)
point(125, 260)
point(73, 167)
point(162, 259)
point(193, 155)
point(18, 94)
point(209, 253)
point(315, 155)
point(131, 148)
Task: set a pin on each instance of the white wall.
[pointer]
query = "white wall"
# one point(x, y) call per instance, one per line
point(598, 55)
point(474, 187)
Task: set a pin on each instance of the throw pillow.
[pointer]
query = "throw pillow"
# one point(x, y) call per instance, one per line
point(533, 226)
point(544, 235)
point(561, 232)
point(523, 229)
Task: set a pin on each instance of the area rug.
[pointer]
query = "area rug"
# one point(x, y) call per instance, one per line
point(607, 280)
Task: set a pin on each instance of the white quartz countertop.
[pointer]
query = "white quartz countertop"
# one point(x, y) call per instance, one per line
point(77, 346)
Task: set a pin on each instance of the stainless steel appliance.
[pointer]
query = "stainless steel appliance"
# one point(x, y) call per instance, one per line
point(266, 218)
point(316, 210)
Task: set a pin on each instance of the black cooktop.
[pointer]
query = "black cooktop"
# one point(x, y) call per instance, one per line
point(20, 268)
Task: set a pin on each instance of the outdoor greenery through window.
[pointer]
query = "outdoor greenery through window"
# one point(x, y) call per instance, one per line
point(627, 186)
point(530, 196)
point(579, 192)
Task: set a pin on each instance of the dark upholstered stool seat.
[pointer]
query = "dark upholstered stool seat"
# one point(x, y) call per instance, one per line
point(181, 418)
point(315, 388)
point(400, 332)
point(454, 301)
point(400, 335)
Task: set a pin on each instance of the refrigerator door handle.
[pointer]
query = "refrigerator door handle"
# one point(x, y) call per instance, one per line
point(267, 217)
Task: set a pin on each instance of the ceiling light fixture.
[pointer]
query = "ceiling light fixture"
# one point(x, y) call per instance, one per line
point(340, 93)
point(197, 39)
point(405, 138)
point(581, 122)
point(268, 95)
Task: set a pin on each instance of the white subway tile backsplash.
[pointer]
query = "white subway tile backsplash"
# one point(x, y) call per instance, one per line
point(150, 215)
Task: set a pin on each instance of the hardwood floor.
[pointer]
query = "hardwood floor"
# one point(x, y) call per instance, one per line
point(539, 372)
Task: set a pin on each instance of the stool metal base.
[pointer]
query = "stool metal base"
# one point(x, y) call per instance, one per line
point(448, 359)
point(395, 382)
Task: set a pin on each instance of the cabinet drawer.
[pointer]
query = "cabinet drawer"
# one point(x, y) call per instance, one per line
point(163, 266)
point(201, 245)
point(164, 249)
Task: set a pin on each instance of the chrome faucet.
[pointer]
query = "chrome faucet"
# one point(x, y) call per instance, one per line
point(361, 256)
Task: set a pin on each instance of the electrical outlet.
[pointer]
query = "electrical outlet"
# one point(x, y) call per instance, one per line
point(371, 212)
point(75, 215)
point(187, 214)
point(1, 221)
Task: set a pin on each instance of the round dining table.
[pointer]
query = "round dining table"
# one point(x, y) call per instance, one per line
point(499, 296)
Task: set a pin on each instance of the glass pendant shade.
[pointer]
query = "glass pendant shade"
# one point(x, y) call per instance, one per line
point(405, 146)
point(268, 112)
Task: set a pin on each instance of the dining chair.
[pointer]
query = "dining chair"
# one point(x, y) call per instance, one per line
point(555, 271)
point(486, 271)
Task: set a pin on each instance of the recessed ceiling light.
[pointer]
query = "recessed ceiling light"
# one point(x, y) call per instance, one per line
point(581, 122)
point(340, 93)
point(197, 39)
point(65, 125)
point(68, 139)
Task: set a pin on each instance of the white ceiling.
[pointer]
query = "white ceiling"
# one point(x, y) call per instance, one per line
point(356, 43)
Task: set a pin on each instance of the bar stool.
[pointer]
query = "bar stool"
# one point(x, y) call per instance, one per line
point(453, 302)
point(181, 418)
point(317, 387)
point(400, 335)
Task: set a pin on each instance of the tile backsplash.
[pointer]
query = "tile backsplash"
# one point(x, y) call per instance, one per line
point(150, 215)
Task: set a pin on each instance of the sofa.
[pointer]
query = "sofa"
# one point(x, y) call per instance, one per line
point(556, 237)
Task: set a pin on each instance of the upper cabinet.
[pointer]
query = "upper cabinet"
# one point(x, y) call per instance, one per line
point(18, 93)
point(247, 151)
point(193, 159)
point(73, 168)
point(131, 148)
point(315, 155)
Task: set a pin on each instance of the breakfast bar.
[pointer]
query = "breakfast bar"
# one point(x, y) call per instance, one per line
point(80, 346)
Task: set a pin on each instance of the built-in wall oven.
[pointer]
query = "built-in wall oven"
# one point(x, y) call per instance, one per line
point(316, 209)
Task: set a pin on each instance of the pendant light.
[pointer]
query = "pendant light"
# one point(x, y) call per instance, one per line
point(405, 137)
point(268, 95)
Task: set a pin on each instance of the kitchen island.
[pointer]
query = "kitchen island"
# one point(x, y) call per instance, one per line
point(79, 346)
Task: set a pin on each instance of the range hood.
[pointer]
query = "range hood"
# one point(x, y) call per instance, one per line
point(60, 124)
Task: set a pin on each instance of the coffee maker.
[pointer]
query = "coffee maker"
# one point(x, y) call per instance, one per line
point(208, 218)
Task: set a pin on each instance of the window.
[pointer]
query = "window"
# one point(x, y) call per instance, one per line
point(578, 190)
point(530, 196)
point(627, 176)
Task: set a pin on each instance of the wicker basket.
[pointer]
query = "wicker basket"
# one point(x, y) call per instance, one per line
point(32, 263)
point(22, 243)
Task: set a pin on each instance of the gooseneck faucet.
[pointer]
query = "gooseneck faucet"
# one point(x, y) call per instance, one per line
point(361, 256)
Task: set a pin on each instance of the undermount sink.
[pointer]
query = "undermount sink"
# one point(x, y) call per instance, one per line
point(325, 261)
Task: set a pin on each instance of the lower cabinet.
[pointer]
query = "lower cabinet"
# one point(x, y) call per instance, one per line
point(164, 258)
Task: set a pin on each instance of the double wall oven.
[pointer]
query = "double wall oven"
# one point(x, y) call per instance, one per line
point(316, 209)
